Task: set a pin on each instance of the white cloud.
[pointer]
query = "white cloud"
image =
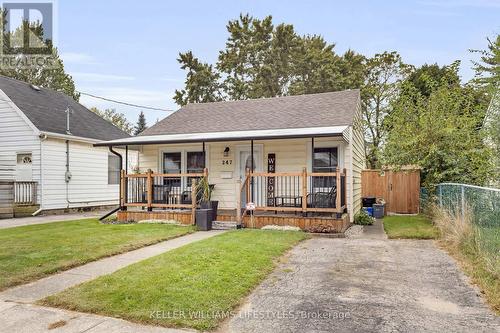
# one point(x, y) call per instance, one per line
point(171, 79)
point(78, 58)
point(97, 77)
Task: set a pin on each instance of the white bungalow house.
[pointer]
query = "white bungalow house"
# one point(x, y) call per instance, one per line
point(47, 157)
point(307, 152)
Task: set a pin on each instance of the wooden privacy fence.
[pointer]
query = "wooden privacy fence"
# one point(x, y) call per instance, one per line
point(400, 189)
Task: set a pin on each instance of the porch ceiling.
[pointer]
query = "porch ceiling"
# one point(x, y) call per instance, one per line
point(288, 133)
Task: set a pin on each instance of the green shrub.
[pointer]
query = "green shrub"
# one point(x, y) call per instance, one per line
point(363, 218)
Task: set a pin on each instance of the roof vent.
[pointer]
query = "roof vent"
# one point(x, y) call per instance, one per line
point(37, 88)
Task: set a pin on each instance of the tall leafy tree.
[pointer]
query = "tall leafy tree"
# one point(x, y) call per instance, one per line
point(201, 84)
point(384, 74)
point(428, 77)
point(261, 59)
point(488, 69)
point(46, 74)
point(140, 126)
point(439, 133)
point(116, 118)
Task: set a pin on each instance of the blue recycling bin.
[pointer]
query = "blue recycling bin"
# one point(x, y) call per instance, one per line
point(368, 210)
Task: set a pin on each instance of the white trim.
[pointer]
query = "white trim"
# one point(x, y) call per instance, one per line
point(350, 179)
point(69, 137)
point(19, 112)
point(230, 135)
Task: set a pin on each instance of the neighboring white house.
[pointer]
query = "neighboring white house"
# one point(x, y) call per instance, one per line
point(300, 145)
point(37, 147)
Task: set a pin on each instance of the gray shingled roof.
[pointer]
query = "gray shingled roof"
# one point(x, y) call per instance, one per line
point(45, 109)
point(300, 111)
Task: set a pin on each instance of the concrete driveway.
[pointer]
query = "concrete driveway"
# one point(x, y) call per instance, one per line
point(368, 284)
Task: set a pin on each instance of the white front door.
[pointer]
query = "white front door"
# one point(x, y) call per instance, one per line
point(244, 161)
point(244, 156)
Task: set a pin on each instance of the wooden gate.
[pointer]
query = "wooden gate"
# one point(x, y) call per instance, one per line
point(400, 189)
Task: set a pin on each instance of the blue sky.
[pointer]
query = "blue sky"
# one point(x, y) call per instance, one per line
point(127, 50)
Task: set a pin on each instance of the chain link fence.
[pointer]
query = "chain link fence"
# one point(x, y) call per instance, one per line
point(482, 206)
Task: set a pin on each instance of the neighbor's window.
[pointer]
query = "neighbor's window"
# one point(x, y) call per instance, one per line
point(325, 160)
point(114, 168)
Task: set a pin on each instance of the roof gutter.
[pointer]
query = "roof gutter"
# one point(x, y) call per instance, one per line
point(69, 137)
point(222, 139)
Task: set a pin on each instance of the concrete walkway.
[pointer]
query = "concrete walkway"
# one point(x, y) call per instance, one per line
point(365, 284)
point(21, 221)
point(20, 318)
point(36, 290)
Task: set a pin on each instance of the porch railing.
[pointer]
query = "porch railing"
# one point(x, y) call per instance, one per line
point(159, 190)
point(322, 192)
point(25, 193)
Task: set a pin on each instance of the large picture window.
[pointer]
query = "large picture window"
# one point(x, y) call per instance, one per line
point(177, 162)
point(114, 168)
point(325, 160)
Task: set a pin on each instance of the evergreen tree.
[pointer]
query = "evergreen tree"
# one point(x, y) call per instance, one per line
point(42, 74)
point(140, 126)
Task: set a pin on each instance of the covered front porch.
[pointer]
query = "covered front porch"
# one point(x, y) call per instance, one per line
point(282, 180)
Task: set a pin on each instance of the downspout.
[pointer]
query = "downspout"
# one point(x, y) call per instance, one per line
point(42, 138)
point(121, 167)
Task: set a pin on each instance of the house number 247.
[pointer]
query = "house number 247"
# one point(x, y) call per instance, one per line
point(227, 162)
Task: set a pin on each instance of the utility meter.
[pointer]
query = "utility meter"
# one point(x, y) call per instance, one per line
point(67, 176)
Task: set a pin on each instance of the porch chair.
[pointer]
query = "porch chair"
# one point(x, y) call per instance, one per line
point(322, 199)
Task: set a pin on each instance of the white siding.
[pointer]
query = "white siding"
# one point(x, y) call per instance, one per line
point(16, 136)
point(291, 156)
point(358, 160)
point(89, 168)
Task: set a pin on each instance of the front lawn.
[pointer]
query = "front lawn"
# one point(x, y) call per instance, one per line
point(193, 286)
point(31, 252)
point(404, 226)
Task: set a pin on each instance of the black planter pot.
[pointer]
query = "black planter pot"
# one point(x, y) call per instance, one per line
point(213, 205)
point(204, 219)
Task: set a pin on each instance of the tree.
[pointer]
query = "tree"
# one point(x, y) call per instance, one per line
point(428, 77)
point(488, 69)
point(264, 60)
point(42, 74)
point(141, 124)
point(114, 117)
point(439, 133)
point(384, 74)
point(201, 84)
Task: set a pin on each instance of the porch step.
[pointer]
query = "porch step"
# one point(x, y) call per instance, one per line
point(224, 225)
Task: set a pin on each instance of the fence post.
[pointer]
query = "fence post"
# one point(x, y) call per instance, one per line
point(122, 189)
point(149, 186)
point(440, 196)
point(462, 192)
point(194, 196)
point(337, 198)
point(238, 201)
point(304, 190)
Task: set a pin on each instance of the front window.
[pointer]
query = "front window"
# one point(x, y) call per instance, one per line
point(325, 160)
point(114, 168)
point(195, 163)
point(172, 164)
